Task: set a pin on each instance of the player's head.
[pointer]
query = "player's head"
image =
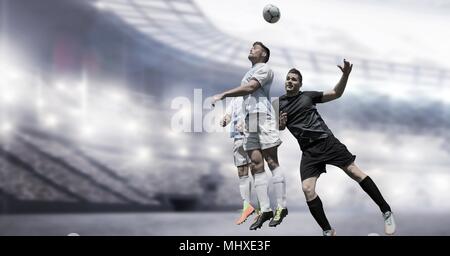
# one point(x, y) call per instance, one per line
point(293, 81)
point(259, 53)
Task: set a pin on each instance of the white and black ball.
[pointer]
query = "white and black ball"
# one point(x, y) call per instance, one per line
point(271, 13)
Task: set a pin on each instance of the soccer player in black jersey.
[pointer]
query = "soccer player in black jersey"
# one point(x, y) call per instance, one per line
point(297, 110)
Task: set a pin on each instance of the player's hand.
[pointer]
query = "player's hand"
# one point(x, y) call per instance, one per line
point(216, 98)
point(225, 120)
point(283, 120)
point(347, 67)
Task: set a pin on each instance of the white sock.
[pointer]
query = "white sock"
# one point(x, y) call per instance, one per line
point(244, 188)
point(262, 191)
point(279, 184)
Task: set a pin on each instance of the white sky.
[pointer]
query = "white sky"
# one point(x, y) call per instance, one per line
point(398, 33)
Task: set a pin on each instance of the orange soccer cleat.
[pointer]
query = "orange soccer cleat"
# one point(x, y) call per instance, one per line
point(246, 212)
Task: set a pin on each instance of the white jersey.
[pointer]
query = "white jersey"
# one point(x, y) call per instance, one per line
point(259, 100)
point(235, 110)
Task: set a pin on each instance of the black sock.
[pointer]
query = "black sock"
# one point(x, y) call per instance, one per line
point(316, 209)
point(371, 189)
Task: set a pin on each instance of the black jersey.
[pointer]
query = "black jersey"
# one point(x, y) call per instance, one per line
point(303, 120)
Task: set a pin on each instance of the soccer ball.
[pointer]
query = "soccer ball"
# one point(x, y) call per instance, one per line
point(271, 13)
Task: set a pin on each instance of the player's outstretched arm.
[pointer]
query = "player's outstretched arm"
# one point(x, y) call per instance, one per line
point(338, 90)
point(242, 90)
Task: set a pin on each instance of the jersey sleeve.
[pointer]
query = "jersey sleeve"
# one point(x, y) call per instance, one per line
point(263, 75)
point(315, 96)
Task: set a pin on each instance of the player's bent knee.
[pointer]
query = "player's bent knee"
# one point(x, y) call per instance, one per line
point(257, 167)
point(243, 171)
point(256, 171)
point(308, 189)
point(355, 173)
point(310, 195)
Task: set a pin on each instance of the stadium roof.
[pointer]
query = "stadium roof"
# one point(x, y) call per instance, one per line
point(311, 35)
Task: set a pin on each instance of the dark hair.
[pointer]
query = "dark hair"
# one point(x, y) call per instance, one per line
point(265, 49)
point(295, 71)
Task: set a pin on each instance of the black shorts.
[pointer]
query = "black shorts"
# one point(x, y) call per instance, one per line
point(322, 152)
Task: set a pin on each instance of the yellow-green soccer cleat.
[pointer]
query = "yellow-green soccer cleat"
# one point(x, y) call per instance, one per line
point(280, 213)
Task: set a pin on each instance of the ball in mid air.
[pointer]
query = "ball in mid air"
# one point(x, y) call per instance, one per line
point(271, 13)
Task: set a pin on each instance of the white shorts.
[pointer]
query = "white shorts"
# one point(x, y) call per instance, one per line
point(240, 156)
point(261, 132)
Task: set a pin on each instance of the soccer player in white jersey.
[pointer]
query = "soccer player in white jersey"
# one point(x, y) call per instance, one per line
point(235, 117)
point(261, 134)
